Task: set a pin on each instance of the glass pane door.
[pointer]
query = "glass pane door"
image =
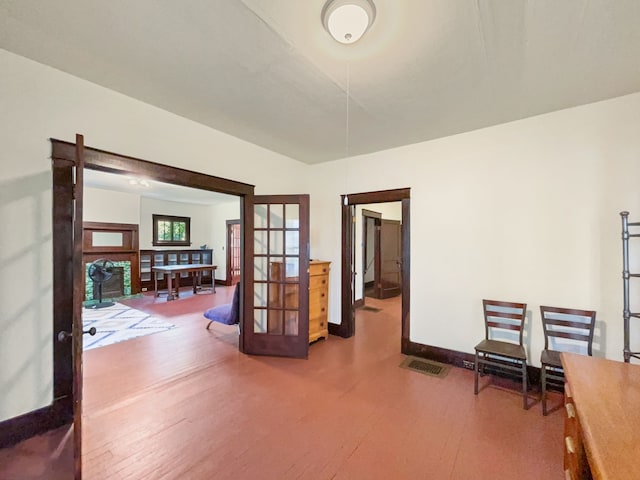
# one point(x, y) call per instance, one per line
point(280, 307)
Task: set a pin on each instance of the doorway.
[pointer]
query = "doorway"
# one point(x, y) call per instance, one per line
point(370, 254)
point(233, 252)
point(346, 328)
point(381, 263)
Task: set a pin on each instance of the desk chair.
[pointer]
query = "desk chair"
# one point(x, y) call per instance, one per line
point(502, 322)
point(577, 326)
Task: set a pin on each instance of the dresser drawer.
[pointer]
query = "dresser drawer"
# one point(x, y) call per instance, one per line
point(317, 323)
point(319, 281)
point(318, 268)
point(318, 308)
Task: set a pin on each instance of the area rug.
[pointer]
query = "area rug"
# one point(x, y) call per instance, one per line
point(119, 323)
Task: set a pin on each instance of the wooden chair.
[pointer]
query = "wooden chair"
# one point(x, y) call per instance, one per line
point(503, 322)
point(576, 326)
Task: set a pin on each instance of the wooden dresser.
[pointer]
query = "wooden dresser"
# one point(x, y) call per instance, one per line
point(602, 423)
point(318, 299)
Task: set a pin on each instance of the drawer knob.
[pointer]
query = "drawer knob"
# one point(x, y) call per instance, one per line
point(324, 281)
point(324, 270)
point(322, 309)
point(322, 294)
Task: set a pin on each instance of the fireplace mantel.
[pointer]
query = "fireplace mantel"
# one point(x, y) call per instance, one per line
point(117, 242)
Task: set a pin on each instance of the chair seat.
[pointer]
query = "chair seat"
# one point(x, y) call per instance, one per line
point(497, 347)
point(229, 313)
point(220, 314)
point(551, 358)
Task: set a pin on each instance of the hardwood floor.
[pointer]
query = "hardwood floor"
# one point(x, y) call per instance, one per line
point(185, 404)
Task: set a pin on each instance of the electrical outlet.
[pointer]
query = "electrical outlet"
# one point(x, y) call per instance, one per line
point(467, 364)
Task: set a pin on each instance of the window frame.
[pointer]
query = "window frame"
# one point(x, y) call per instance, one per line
point(173, 219)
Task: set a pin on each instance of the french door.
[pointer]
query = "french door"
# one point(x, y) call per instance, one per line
point(276, 308)
point(234, 252)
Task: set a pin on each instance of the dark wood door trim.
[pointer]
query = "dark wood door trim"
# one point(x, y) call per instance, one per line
point(78, 296)
point(382, 196)
point(17, 429)
point(63, 154)
point(346, 325)
point(110, 162)
point(346, 328)
point(406, 269)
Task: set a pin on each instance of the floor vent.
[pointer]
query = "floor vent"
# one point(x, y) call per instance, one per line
point(370, 309)
point(427, 367)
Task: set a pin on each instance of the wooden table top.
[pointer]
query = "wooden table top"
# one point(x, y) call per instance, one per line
point(183, 268)
point(607, 398)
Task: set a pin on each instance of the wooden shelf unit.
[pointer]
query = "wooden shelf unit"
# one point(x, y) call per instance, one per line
point(154, 258)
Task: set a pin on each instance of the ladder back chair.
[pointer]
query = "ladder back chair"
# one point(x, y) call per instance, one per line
point(502, 346)
point(560, 325)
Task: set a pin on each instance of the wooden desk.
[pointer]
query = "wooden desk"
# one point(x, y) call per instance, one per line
point(607, 401)
point(195, 269)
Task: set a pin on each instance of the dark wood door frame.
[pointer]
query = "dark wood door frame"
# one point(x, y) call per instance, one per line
point(346, 328)
point(63, 155)
point(110, 162)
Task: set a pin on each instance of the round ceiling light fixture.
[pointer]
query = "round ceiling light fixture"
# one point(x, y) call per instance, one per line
point(348, 20)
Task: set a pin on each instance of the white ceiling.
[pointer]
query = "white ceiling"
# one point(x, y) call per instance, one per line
point(266, 71)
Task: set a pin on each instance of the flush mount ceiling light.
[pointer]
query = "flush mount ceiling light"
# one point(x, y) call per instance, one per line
point(139, 183)
point(348, 20)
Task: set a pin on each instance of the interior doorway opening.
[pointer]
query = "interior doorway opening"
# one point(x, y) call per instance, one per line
point(379, 251)
point(352, 258)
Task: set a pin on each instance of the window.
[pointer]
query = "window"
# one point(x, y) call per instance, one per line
point(171, 231)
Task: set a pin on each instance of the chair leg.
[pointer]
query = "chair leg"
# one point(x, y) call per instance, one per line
point(524, 385)
point(543, 387)
point(475, 371)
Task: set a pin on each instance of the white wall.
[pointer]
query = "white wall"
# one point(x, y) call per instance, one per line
point(200, 215)
point(525, 211)
point(38, 103)
point(110, 207)
point(208, 223)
